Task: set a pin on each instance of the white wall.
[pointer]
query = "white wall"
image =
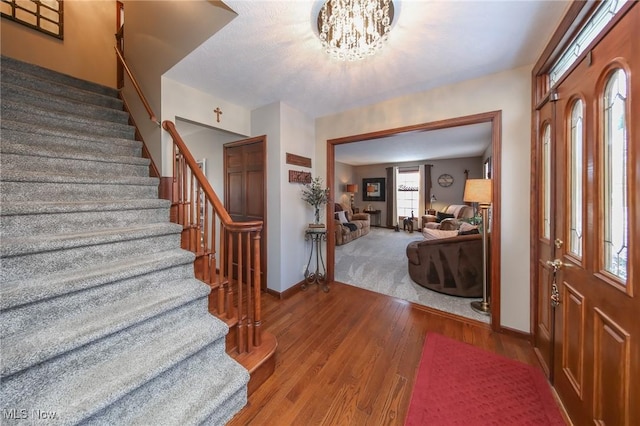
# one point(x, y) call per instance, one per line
point(180, 100)
point(288, 131)
point(508, 91)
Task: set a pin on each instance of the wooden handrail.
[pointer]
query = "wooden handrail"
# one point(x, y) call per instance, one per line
point(152, 115)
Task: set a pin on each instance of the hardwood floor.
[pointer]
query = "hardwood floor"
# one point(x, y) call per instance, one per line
point(350, 356)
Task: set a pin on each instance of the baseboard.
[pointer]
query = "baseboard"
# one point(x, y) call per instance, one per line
point(516, 333)
point(288, 292)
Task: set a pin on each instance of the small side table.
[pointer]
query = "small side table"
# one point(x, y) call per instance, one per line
point(316, 236)
point(375, 214)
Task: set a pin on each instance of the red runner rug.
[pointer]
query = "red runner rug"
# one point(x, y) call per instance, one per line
point(459, 384)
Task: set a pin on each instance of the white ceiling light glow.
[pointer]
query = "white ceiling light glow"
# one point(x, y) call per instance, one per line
point(354, 29)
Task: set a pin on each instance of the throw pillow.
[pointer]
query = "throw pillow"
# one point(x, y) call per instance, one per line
point(442, 216)
point(341, 216)
point(467, 227)
point(436, 234)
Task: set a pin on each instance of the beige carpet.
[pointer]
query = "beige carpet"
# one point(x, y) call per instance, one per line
point(378, 262)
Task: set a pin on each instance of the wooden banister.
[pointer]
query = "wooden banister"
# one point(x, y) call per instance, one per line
point(233, 269)
point(152, 115)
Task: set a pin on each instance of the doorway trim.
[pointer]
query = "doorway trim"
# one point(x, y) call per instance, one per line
point(493, 117)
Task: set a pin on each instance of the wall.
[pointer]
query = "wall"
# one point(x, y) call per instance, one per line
point(287, 130)
point(508, 91)
point(344, 174)
point(89, 28)
point(179, 100)
point(445, 196)
point(158, 34)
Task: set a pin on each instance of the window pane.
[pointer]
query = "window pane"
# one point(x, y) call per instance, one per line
point(615, 176)
point(546, 182)
point(407, 192)
point(575, 190)
point(606, 11)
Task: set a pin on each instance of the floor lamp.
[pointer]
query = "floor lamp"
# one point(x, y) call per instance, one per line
point(480, 191)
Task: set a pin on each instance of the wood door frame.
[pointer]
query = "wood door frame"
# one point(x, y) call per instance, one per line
point(493, 117)
point(263, 239)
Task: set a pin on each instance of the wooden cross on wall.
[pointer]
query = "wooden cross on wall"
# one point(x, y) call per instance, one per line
point(218, 112)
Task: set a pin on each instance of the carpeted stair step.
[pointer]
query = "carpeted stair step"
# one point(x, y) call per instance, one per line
point(87, 380)
point(42, 100)
point(215, 386)
point(28, 257)
point(29, 219)
point(57, 331)
point(51, 77)
point(41, 136)
point(71, 304)
point(32, 186)
point(38, 116)
point(19, 292)
point(101, 318)
point(58, 89)
point(26, 157)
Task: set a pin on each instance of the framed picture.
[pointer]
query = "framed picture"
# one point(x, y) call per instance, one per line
point(373, 189)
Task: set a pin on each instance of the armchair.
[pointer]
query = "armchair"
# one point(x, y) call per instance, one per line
point(448, 265)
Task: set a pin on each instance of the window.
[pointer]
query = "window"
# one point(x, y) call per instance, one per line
point(43, 15)
point(575, 178)
point(615, 143)
point(602, 16)
point(546, 181)
point(407, 191)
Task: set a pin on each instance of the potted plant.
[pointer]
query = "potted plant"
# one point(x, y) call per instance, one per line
point(317, 196)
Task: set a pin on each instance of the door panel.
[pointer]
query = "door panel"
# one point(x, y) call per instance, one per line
point(594, 338)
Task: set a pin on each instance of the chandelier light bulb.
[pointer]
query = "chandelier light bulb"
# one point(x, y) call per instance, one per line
point(350, 30)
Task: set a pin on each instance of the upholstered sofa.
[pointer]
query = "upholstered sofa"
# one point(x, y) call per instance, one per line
point(448, 265)
point(453, 211)
point(349, 225)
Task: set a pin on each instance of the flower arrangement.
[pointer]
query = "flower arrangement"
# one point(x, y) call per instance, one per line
point(317, 196)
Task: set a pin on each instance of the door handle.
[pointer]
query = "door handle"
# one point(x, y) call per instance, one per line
point(556, 264)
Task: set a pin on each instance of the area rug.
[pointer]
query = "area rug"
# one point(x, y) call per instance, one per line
point(460, 384)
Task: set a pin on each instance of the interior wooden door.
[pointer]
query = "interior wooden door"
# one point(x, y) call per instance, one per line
point(596, 354)
point(245, 188)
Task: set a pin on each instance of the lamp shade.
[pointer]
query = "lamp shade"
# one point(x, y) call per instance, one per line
point(478, 191)
point(352, 188)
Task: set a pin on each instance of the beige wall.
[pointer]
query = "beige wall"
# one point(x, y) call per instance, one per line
point(89, 28)
point(508, 91)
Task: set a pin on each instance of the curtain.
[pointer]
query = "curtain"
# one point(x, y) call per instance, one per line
point(391, 197)
point(427, 187)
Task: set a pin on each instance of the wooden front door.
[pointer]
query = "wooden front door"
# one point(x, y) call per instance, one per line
point(587, 251)
point(245, 188)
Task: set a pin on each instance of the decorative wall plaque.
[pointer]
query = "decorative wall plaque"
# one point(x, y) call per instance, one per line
point(298, 160)
point(297, 176)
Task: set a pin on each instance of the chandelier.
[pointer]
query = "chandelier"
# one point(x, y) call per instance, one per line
point(353, 29)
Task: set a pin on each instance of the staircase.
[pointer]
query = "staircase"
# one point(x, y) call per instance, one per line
point(101, 318)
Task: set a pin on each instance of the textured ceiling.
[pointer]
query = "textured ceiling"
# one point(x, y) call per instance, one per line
point(271, 52)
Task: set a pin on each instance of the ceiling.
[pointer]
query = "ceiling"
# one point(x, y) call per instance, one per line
point(270, 52)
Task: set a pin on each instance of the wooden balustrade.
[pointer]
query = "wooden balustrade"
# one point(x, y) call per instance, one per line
point(210, 233)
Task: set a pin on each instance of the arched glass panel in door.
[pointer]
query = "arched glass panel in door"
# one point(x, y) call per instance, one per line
point(575, 178)
point(546, 181)
point(615, 206)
